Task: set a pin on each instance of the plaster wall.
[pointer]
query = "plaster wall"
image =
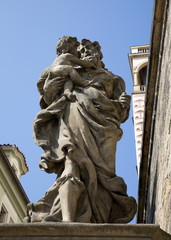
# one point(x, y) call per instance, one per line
point(11, 212)
point(12, 196)
point(16, 159)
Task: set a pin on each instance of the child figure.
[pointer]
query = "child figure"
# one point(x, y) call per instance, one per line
point(62, 72)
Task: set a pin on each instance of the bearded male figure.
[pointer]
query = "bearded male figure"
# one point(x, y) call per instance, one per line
point(79, 138)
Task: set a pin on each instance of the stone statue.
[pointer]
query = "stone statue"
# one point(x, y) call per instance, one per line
point(82, 107)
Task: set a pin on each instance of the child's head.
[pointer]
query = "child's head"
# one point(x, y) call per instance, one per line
point(67, 44)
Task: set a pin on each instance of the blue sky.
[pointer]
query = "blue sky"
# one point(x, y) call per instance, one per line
point(30, 30)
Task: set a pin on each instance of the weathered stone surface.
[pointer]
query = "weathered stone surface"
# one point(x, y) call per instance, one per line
point(83, 105)
point(76, 231)
point(158, 204)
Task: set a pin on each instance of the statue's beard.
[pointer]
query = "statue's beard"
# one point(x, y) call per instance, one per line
point(92, 59)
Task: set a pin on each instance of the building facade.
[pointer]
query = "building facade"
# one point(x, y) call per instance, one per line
point(13, 199)
point(138, 59)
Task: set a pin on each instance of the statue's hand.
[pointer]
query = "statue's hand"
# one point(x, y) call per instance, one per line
point(91, 65)
point(86, 83)
point(125, 100)
point(70, 96)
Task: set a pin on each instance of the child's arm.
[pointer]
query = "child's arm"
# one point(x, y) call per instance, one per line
point(68, 87)
point(79, 62)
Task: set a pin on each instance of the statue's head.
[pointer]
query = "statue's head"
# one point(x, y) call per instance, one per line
point(90, 51)
point(67, 44)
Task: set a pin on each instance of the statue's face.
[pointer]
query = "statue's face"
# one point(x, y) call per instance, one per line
point(87, 50)
point(90, 53)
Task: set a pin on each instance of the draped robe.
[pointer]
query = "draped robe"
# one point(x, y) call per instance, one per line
point(86, 131)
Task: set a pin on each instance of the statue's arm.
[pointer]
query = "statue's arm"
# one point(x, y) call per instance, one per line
point(42, 103)
point(120, 96)
point(80, 62)
point(42, 78)
point(40, 86)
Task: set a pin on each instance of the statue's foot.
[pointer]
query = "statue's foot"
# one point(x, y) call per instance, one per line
point(67, 221)
point(51, 218)
point(27, 219)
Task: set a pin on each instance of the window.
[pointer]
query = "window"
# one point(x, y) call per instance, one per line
point(3, 214)
point(143, 75)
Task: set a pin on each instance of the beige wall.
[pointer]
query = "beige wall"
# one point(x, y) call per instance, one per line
point(11, 214)
point(12, 196)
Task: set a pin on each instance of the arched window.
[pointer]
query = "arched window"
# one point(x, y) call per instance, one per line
point(143, 75)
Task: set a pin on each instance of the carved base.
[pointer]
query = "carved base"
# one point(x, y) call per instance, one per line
point(76, 231)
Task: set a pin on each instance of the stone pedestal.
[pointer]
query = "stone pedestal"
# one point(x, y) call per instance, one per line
point(80, 231)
